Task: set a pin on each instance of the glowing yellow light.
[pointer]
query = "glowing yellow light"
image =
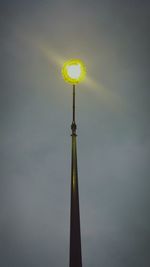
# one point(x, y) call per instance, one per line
point(73, 71)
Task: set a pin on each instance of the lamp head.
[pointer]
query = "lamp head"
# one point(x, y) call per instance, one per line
point(73, 71)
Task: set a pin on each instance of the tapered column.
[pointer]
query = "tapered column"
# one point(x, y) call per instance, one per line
point(75, 235)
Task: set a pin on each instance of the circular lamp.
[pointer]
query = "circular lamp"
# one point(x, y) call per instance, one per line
point(73, 71)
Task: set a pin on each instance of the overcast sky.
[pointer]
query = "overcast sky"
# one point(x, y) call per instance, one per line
point(113, 111)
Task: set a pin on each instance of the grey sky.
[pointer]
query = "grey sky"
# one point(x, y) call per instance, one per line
point(113, 112)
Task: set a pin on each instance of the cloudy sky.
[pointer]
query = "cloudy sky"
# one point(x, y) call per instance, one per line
point(112, 37)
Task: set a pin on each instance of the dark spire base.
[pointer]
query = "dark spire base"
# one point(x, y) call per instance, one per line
point(75, 234)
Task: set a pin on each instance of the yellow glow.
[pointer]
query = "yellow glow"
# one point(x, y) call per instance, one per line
point(73, 71)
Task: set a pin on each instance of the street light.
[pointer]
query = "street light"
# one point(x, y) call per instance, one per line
point(74, 72)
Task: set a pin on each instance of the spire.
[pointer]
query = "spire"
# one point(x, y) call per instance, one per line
point(75, 235)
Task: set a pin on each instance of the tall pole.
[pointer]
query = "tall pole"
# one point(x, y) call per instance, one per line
point(75, 235)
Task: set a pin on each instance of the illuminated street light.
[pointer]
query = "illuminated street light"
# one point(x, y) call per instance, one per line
point(73, 72)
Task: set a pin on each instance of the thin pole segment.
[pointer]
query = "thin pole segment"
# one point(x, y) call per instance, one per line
point(73, 126)
point(73, 102)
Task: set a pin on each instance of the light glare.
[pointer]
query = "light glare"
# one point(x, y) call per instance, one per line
point(73, 71)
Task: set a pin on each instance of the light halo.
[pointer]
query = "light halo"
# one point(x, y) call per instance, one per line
point(74, 71)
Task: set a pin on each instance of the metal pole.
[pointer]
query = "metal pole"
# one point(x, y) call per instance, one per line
point(74, 102)
point(75, 235)
point(73, 126)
